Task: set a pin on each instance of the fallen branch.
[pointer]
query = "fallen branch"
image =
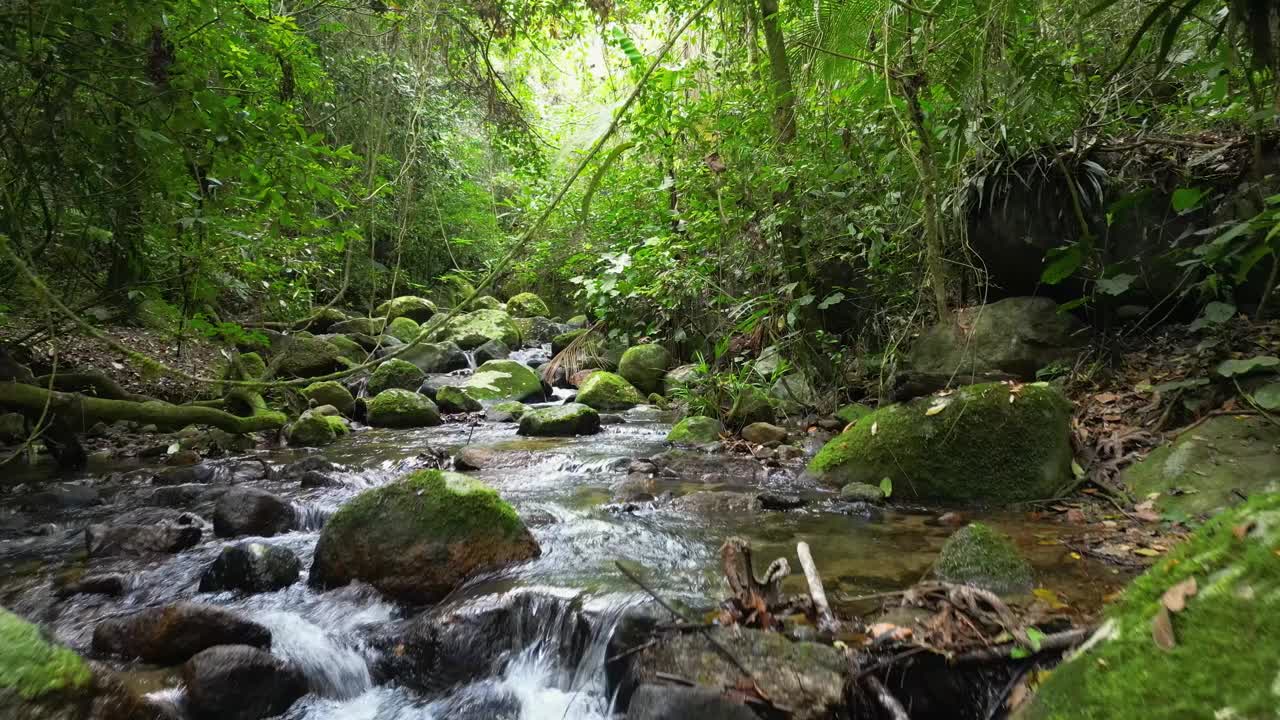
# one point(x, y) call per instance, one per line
point(886, 698)
point(101, 385)
point(827, 624)
point(1057, 641)
point(81, 411)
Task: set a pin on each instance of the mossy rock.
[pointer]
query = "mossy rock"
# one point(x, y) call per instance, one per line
point(644, 366)
point(347, 348)
point(658, 401)
point(449, 290)
point(311, 430)
point(420, 537)
point(324, 318)
point(862, 492)
point(395, 373)
point(695, 430)
point(751, 406)
point(1225, 660)
point(503, 380)
point(454, 399)
point(526, 304)
point(506, 411)
point(1205, 468)
point(679, 378)
point(975, 445)
point(38, 676)
point(359, 326)
point(565, 339)
point(156, 314)
point(537, 331)
point(852, 413)
point(471, 330)
point(398, 408)
point(304, 357)
point(439, 357)
point(404, 329)
point(413, 307)
point(985, 558)
point(485, 302)
point(330, 392)
point(565, 420)
point(578, 321)
point(606, 391)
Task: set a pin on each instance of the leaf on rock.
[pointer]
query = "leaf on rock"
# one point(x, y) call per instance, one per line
point(939, 405)
point(1175, 598)
point(1162, 630)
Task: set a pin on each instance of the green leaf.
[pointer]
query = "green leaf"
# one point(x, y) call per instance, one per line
point(832, 299)
point(1116, 284)
point(1237, 368)
point(1034, 638)
point(1061, 264)
point(886, 486)
point(1185, 199)
point(1019, 653)
point(1215, 313)
point(1268, 396)
point(1181, 385)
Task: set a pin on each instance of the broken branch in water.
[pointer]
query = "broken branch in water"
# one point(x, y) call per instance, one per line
point(827, 624)
point(886, 698)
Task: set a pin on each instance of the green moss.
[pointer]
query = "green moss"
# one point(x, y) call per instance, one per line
point(307, 357)
point(560, 421)
point(311, 430)
point(658, 401)
point(514, 408)
point(348, 348)
point(398, 408)
point(526, 304)
point(1226, 661)
point(578, 321)
point(503, 380)
point(33, 667)
point(330, 392)
point(564, 340)
point(453, 399)
point(395, 373)
point(406, 306)
point(852, 413)
point(644, 365)
point(403, 329)
point(696, 430)
point(473, 329)
point(979, 448)
point(606, 391)
point(486, 302)
point(360, 326)
point(253, 365)
point(339, 425)
point(751, 406)
point(979, 556)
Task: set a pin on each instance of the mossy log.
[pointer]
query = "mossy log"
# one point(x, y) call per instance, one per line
point(99, 383)
point(81, 411)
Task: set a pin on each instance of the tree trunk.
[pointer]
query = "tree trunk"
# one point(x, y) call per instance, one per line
point(81, 412)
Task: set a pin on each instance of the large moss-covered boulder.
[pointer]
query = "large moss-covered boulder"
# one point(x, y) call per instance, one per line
point(330, 392)
point(454, 399)
point(359, 326)
point(403, 329)
point(987, 444)
point(750, 406)
point(473, 329)
point(606, 391)
point(398, 408)
point(526, 304)
point(695, 430)
point(395, 373)
point(315, 430)
point(347, 348)
point(1206, 468)
point(565, 420)
point(503, 380)
point(980, 556)
point(644, 366)
point(1219, 657)
point(420, 537)
point(40, 679)
point(439, 357)
point(407, 306)
point(1011, 338)
point(304, 357)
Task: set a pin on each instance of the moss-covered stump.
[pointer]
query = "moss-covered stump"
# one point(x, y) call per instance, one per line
point(982, 557)
point(606, 391)
point(330, 392)
point(304, 357)
point(397, 408)
point(751, 406)
point(560, 421)
point(454, 399)
point(473, 329)
point(413, 307)
point(503, 380)
point(420, 537)
point(986, 444)
point(403, 329)
point(852, 413)
point(696, 430)
point(526, 304)
point(40, 679)
point(439, 357)
point(1221, 655)
point(395, 373)
point(644, 366)
point(1204, 468)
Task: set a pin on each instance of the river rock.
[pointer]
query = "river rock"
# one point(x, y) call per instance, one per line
point(172, 634)
point(130, 540)
point(312, 479)
point(419, 537)
point(454, 399)
point(762, 433)
point(606, 391)
point(403, 329)
point(111, 584)
point(486, 302)
point(560, 421)
point(679, 378)
point(304, 357)
point(982, 557)
point(332, 393)
point(251, 568)
point(441, 357)
point(394, 373)
point(1213, 658)
point(674, 702)
point(1008, 339)
point(187, 475)
point(538, 331)
point(644, 366)
point(506, 411)
point(251, 511)
point(240, 682)
point(62, 496)
point(695, 430)
point(407, 306)
point(348, 347)
point(398, 408)
point(13, 428)
point(750, 406)
point(315, 429)
point(526, 304)
point(861, 492)
point(359, 326)
point(716, 502)
point(492, 350)
point(473, 329)
point(980, 444)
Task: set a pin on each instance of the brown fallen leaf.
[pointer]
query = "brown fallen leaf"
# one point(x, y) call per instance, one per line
point(1175, 598)
point(1242, 530)
point(1146, 552)
point(1106, 397)
point(1162, 630)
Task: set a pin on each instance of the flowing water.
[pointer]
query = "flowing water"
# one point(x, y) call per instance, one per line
point(562, 487)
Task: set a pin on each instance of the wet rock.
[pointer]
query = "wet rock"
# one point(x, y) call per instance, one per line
point(419, 537)
point(831, 424)
point(111, 584)
point(504, 380)
point(186, 475)
point(394, 373)
point(762, 433)
point(63, 496)
point(172, 634)
point(695, 430)
point(169, 536)
point(182, 457)
point(861, 492)
point(474, 458)
point(315, 479)
point(251, 568)
point(676, 702)
point(635, 487)
point(988, 444)
point(560, 421)
point(787, 453)
point(240, 682)
point(644, 367)
point(415, 308)
point(492, 350)
point(980, 556)
point(454, 399)
point(611, 419)
point(780, 501)
point(606, 391)
point(296, 469)
point(251, 511)
point(432, 358)
point(506, 411)
point(402, 409)
point(712, 502)
point(473, 329)
point(332, 393)
point(315, 429)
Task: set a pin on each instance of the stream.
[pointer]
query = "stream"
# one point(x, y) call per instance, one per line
point(562, 487)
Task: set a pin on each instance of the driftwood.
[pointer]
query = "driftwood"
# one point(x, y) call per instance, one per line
point(827, 623)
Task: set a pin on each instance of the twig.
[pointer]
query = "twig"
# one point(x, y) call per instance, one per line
point(892, 660)
point(826, 620)
point(998, 701)
point(1057, 641)
point(886, 698)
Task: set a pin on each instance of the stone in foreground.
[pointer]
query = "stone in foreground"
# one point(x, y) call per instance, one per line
point(398, 408)
point(418, 538)
point(169, 635)
point(240, 682)
point(560, 421)
point(984, 558)
point(606, 391)
point(251, 568)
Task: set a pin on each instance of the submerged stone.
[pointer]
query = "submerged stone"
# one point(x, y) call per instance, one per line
point(606, 391)
point(985, 558)
point(252, 568)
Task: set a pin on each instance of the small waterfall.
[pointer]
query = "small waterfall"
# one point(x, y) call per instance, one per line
point(333, 669)
point(470, 355)
point(311, 517)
